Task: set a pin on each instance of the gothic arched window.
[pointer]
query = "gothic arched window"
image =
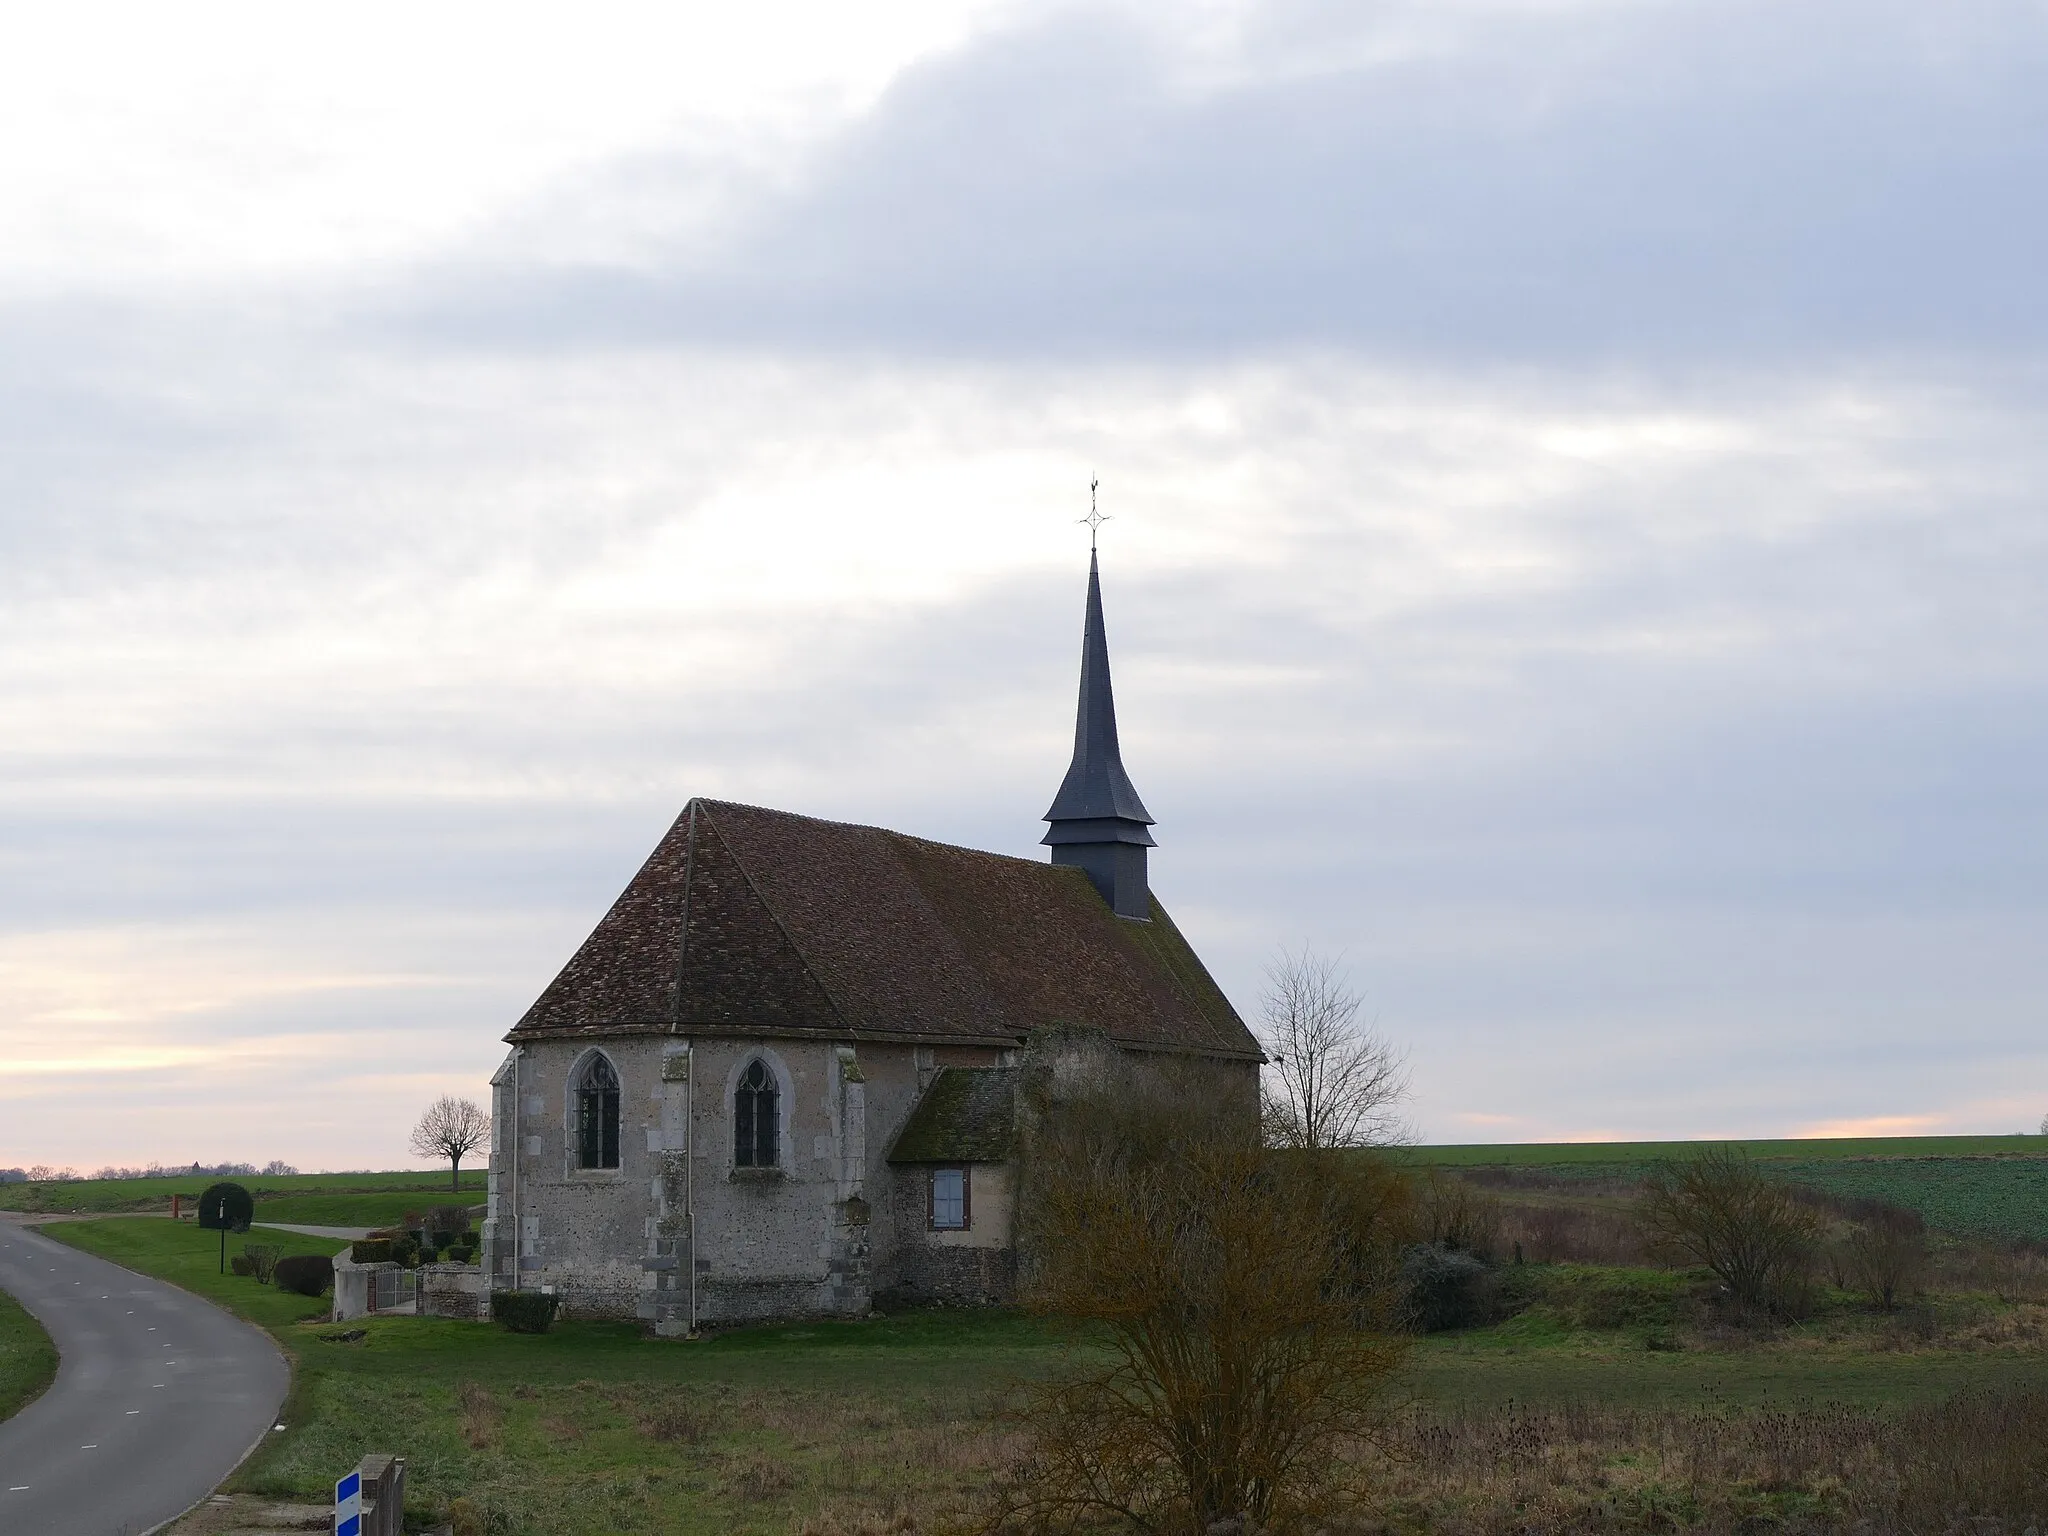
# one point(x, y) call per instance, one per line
point(597, 1115)
point(756, 1117)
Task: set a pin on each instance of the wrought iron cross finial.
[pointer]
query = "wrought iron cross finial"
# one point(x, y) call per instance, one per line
point(1094, 519)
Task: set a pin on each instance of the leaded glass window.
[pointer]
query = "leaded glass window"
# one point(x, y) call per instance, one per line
point(756, 1118)
point(597, 1114)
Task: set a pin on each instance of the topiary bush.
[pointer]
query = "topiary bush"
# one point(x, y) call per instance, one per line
point(524, 1311)
point(406, 1251)
point(306, 1274)
point(371, 1250)
point(461, 1253)
point(241, 1264)
point(1444, 1288)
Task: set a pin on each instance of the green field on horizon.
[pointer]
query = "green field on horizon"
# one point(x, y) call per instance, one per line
point(1537, 1154)
point(315, 1198)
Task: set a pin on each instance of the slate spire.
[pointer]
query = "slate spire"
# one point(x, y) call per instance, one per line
point(1097, 820)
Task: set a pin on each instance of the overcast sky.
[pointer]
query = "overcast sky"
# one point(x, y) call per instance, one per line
point(1578, 471)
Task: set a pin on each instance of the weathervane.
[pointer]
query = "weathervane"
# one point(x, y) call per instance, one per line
point(1094, 519)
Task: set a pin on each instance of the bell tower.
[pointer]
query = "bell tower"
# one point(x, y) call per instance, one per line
point(1097, 822)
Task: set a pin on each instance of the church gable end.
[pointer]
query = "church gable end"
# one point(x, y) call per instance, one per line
point(640, 971)
point(623, 973)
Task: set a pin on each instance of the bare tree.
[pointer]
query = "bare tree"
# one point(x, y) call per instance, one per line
point(451, 1128)
point(1720, 1210)
point(1333, 1081)
point(1239, 1310)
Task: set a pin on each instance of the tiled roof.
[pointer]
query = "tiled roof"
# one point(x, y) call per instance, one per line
point(751, 919)
point(967, 1115)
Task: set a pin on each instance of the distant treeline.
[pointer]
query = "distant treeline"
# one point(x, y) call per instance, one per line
point(43, 1173)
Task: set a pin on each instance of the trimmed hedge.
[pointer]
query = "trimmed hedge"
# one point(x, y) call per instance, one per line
point(524, 1311)
point(371, 1250)
point(308, 1274)
point(241, 1264)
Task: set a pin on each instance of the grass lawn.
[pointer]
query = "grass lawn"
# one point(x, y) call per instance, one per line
point(820, 1427)
point(593, 1428)
point(27, 1359)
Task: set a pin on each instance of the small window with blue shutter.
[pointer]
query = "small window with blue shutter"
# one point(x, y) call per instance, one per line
point(949, 1200)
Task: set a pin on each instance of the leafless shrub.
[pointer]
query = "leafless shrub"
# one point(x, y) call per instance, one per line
point(1886, 1257)
point(1451, 1212)
point(262, 1259)
point(1243, 1298)
point(1332, 1081)
point(1567, 1234)
point(1753, 1232)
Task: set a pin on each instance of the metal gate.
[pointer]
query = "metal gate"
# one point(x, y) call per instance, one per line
point(391, 1287)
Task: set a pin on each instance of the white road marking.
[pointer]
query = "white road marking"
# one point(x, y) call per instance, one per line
point(132, 1412)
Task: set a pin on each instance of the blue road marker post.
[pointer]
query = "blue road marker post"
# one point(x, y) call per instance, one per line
point(348, 1505)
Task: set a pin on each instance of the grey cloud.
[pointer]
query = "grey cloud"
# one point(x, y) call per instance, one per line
point(1681, 182)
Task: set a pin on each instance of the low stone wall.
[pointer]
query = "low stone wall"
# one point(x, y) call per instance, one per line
point(455, 1290)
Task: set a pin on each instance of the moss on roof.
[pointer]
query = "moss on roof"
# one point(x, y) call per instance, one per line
point(967, 1115)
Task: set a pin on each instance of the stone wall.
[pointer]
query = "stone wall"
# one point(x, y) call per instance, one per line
point(975, 1267)
point(796, 1240)
point(454, 1290)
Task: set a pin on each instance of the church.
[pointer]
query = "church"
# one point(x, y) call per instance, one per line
point(781, 1077)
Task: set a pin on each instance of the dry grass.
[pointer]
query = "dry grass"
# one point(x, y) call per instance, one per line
point(1971, 1464)
point(480, 1416)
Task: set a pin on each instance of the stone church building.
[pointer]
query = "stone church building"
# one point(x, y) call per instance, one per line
point(780, 1077)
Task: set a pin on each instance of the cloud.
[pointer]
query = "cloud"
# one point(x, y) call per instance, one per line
point(1576, 473)
point(1644, 185)
point(1662, 761)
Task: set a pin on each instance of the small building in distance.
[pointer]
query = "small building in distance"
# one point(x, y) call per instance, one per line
point(781, 1076)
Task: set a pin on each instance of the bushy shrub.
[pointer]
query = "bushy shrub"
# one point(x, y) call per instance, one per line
point(371, 1250)
point(306, 1274)
point(461, 1253)
point(406, 1251)
point(1751, 1230)
point(241, 1264)
point(524, 1311)
point(1445, 1287)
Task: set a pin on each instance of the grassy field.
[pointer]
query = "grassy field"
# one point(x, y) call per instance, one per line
point(27, 1360)
point(835, 1429)
point(317, 1199)
point(592, 1428)
point(1969, 1186)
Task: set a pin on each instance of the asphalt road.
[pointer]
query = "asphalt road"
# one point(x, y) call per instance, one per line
point(158, 1396)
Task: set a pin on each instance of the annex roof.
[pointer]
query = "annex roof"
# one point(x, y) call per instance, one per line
point(746, 920)
point(967, 1115)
